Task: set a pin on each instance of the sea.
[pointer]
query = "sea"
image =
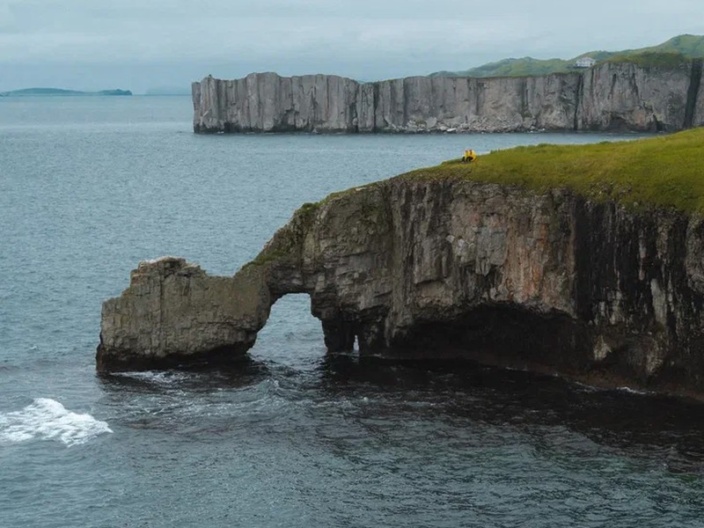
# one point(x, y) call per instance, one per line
point(90, 186)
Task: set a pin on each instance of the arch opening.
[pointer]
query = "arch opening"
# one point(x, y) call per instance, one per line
point(291, 335)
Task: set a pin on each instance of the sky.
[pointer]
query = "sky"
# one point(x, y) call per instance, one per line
point(147, 44)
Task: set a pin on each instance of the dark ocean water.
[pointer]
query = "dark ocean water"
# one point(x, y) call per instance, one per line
point(90, 186)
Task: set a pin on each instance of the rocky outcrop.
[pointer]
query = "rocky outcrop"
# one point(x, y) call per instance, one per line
point(437, 269)
point(174, 313)
point(611, 96)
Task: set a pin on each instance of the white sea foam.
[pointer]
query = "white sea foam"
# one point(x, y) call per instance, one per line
point(47, 419)
point(632, 390)
point(158, 259)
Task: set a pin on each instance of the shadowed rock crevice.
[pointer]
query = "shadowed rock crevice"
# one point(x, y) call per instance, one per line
point(693, 93)
point(435, 269)
point(504, 335)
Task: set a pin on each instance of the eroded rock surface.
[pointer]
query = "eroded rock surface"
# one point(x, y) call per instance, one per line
point(415, 269)
point(173, 313)
point(611, 96)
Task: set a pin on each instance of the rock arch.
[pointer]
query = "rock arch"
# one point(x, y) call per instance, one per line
point(422, 269)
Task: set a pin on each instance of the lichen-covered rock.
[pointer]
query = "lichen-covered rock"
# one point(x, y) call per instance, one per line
point(611, 96)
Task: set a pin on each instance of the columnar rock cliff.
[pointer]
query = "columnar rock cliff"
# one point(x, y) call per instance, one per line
point(427, 269)
point(174, 311)
point(612, 96)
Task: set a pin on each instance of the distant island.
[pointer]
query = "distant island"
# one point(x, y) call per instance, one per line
point(26, 92)
point(675, 50)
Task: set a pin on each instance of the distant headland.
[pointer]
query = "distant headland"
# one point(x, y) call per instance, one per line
point(654, 89)
point(59, 92)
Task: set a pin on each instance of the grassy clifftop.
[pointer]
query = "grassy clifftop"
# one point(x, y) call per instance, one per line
point(663, 171)
point(653, 59)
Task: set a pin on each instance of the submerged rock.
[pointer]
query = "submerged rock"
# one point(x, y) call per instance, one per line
point(447, 268)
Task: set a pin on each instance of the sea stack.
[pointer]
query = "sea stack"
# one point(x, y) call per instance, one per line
point(173, 313)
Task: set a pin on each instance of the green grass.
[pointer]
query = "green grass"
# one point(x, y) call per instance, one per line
point(688, 45)
point(670, 53)
point(658, 172)
point(664, 171)
point(288, 241)
point(656, 59)
point(526, 66)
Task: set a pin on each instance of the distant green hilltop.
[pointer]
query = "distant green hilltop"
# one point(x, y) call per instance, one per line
point(672, 52)
point(59, 92)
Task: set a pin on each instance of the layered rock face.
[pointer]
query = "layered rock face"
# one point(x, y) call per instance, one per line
point(612, 96)
point(413, 269)
point(174, 313)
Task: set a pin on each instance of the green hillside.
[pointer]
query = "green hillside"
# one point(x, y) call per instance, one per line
point(691, 46)
point(674, 50)
point(663, 171)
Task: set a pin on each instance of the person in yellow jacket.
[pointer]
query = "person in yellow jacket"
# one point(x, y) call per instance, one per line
point(469, 156)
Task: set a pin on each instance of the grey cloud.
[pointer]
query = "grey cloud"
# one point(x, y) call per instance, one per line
point(363, 38)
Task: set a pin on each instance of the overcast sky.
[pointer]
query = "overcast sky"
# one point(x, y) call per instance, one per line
point(142, 44)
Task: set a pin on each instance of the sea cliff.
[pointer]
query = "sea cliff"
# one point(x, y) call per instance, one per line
point(611, 96)
point(463, 262)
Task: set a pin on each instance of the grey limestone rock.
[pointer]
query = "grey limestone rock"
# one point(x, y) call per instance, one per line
point(610, 96)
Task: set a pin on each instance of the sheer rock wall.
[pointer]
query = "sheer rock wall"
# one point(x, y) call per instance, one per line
point(611, 96)
point(414, 269)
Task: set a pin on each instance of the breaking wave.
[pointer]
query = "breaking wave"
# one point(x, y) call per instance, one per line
point(47, 419)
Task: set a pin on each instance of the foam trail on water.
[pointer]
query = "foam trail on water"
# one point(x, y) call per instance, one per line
point(47, 419)
point(164, 378)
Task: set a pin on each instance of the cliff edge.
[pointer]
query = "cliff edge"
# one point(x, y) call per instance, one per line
point(616, 96)
point(578, 276)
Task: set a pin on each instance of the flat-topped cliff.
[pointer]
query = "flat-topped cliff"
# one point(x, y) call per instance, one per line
point(598, 274)
point(612, 96)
